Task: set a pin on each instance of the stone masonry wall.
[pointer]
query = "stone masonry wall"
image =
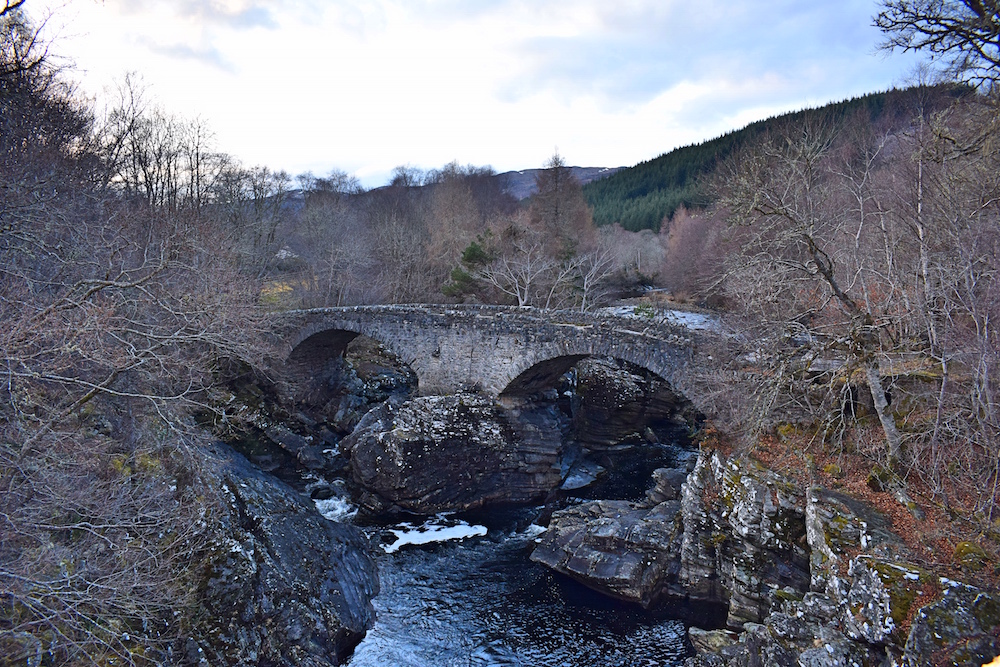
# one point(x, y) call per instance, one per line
point(486, 348)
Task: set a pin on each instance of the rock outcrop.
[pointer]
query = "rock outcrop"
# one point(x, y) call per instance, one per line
point(758, 534)
point(809, 577)
point(861, 592)
point(459, 452)
point(282, 585)
point(960, 628)
point(738, 551)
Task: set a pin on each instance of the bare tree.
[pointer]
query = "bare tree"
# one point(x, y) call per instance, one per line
point(964, 34)
point(454, 220)
point(401, 235)
point(957, 191)
point(595, 268)
point(251, 201)
point(115, 315)
point(797, 268)
point(520, 271)
point(332, 239)
point(23, 50)
point(869, 258)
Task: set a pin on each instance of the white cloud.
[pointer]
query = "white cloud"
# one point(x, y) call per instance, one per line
point(366, 85)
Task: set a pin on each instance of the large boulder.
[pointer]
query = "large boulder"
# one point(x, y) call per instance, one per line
point(282, 585)
point(619, 548)
point(442, 453)
point(617, 402)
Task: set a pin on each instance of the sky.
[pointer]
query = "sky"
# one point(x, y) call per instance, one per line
point(366, 85)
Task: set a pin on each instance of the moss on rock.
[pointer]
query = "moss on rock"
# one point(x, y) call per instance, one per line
point(970, 556)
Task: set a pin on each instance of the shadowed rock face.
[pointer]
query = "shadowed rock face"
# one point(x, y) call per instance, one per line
point(617, 402)
point(442, 453)
point(283, 586)
point(348, 384)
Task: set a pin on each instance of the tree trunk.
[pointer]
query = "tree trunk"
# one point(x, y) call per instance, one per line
point(892, 437)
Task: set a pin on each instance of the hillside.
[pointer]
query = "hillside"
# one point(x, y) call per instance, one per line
point(521, 184)
point(642, 196)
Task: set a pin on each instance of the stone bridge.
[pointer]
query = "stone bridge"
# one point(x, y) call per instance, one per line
point(492, 350)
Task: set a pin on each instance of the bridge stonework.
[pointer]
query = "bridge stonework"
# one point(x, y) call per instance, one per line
point(492, 350)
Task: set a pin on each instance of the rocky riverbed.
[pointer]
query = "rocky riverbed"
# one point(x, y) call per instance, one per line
point(806, 576)
point(762, 570)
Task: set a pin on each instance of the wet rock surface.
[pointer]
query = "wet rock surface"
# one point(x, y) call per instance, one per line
point(625, 549)
point(616, 402)
point(282, 585)
point(446, 453)
point(619, 548)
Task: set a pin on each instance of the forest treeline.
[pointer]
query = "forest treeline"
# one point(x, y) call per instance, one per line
point(852, 253)
point(647, 195)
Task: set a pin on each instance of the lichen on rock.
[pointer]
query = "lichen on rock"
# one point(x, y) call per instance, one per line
point(459, 452)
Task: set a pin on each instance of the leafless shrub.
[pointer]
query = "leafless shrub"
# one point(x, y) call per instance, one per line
point(116, 310)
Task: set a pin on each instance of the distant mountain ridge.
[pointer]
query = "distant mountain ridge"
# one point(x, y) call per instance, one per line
point(521, 184)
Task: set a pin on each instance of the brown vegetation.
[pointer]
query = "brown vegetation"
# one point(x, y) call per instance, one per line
point(124, 276)
point(864, 269)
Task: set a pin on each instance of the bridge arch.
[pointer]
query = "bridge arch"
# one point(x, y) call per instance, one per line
point(316, 346)
point(492, 350)
point(541, 368)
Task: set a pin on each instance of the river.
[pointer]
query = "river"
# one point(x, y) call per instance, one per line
point(480, 601)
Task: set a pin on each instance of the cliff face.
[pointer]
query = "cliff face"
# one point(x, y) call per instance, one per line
point(806, 576)
point(282, 585)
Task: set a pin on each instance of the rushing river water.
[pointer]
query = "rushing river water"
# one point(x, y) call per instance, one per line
point(480, 601)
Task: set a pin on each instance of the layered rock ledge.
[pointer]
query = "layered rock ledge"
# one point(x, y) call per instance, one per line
point(807, 576)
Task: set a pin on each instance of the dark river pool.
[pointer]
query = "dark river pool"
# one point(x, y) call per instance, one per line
point(481, 601)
